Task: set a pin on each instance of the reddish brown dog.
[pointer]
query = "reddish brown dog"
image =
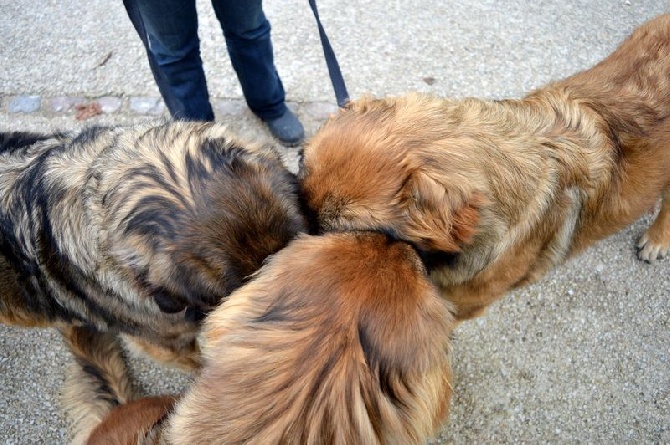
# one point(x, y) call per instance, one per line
point(339, 339)
point(496, 193)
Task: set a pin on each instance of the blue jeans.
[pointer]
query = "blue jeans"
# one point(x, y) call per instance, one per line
point(169, 32)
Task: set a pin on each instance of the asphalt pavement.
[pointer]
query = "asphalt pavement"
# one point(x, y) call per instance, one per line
point(581, 357)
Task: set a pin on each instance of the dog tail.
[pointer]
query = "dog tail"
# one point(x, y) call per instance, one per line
point(97, 381)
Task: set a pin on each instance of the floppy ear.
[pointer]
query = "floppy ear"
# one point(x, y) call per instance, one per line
point(438, 218)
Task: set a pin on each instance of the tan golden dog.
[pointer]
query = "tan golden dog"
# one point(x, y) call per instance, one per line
point(496, 193)
point(339, 339)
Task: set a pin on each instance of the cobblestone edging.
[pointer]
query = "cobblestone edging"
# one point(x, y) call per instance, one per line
point(69, 104)
point(136, 105)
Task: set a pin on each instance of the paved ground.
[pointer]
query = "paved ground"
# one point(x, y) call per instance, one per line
point(581, 357)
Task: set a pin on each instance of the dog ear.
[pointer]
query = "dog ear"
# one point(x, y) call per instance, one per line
point(438, 219)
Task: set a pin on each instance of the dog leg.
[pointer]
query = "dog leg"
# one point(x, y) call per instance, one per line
point(96, 382)
point(184, 359)
point(655, 243)
point(138, 422)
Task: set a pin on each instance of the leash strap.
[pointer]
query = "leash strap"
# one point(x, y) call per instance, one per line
point(341, 94)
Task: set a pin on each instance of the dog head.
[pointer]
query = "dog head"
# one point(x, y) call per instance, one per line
point(198, 213)
point(380, 165)
point(339, 338)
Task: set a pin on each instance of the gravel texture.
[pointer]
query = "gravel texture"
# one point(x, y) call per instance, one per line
point(581, 357)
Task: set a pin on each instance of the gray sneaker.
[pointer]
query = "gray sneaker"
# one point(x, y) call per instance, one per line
point(287, 129)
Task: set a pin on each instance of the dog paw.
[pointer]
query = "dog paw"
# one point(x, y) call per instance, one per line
point(650, 249)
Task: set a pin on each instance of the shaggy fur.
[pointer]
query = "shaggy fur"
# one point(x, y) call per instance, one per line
point(339, 339)
point(136, 231)
point(496, 193)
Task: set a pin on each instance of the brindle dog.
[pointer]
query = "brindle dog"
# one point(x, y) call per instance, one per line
point(137, 231)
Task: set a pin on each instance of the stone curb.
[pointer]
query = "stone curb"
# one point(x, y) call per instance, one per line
point(52, 106)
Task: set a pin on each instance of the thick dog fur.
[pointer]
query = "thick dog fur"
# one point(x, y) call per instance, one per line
point(495, 193)
point(136, 231)
point(339, 339)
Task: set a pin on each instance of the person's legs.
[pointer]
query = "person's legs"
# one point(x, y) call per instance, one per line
point(169, 32)
point(247, 34)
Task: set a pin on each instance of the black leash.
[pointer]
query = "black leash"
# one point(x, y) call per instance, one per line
point(341, 94)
